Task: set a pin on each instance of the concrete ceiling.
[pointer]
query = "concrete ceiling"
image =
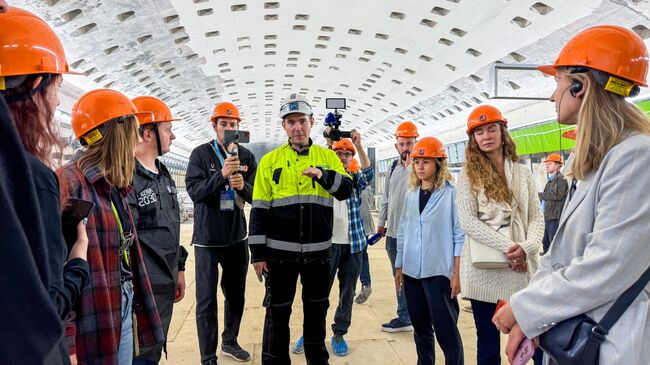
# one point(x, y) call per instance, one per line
point(426, 61)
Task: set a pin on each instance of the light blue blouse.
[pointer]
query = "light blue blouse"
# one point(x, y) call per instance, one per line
point(428, 242)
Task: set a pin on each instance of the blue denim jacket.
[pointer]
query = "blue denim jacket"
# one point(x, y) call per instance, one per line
point(428, 242)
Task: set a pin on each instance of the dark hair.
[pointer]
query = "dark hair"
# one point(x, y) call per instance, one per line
point(34, 120)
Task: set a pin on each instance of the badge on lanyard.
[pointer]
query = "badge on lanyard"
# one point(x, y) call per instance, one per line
point(227, 200)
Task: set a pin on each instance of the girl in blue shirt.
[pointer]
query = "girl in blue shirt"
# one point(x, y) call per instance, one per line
point(429, 244)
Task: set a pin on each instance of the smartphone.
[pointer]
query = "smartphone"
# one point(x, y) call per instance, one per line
point(524, 353)
point(500, 303)
point(230, 136)
point(74, 212)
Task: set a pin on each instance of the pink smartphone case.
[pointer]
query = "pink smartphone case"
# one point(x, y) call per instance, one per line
point(524, 353)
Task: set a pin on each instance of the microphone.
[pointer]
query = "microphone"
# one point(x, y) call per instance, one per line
point(330, 120)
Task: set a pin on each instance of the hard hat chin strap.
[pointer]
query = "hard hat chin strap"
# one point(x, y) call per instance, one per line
point(158, 143)
point(13, 97)
point(611, 83)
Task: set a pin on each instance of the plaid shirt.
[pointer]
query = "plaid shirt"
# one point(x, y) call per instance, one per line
point(357, 233)
point(98, 316)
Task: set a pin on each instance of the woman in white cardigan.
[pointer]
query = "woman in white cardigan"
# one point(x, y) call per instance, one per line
point(498, 208)
point(601, 247)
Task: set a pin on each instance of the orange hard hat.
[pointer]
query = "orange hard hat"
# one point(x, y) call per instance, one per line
point(354, 166)
point(429, 147)
point(225, 109)
point(612, 49)
point(29, 46)
point(159, 110)
point(554, 157)
point(407, 129)
point(97, 107)
point(482, 115)
point(570, 134)
point(344, 144)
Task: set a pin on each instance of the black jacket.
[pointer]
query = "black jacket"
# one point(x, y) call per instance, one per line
point(67, 280)
point(204, 183)
point(31, 329)
point(154, 206)
point(554, 196)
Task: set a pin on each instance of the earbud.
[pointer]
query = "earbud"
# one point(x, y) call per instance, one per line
point(576, 86)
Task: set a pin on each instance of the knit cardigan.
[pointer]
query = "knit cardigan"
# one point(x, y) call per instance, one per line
point(478, 216)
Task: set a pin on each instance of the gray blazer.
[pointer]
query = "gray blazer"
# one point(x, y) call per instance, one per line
point(601, 248)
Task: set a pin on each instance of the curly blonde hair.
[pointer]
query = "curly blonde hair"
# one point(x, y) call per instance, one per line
point(483, 175)
point(442, 175)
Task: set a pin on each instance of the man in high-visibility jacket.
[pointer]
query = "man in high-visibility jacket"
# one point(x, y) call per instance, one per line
point(291, 232)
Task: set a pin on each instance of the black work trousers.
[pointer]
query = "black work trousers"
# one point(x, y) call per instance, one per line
point(314, 277)
point(234, 266)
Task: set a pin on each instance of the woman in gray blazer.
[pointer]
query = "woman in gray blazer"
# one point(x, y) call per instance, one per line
point(601, 246)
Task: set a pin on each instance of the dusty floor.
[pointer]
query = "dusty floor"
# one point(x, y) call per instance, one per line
point(368, 344)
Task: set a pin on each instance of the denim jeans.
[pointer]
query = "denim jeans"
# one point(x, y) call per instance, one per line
point(345, 266)
point(402, 310)
point(125, 350)
point(365, 268)
point(487, 335)
point(550, 228)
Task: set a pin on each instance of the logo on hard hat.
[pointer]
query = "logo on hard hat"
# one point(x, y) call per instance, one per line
point(482, 117)
point(421, 151)
point(228, 111)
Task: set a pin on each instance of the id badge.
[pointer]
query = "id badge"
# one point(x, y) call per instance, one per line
point(227, 202)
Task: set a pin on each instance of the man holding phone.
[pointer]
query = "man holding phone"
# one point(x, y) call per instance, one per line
point(219, 180)
point(154, 206)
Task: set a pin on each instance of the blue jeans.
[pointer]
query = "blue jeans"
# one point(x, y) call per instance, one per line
point(550, 228)
point(365, 268)
point(125, 350)
point(487, 335)
point(402, 310)
point(345, 266)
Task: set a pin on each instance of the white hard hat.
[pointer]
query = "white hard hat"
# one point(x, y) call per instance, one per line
point(295, 103)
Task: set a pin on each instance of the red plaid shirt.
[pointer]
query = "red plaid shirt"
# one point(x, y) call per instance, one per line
point(98, 316)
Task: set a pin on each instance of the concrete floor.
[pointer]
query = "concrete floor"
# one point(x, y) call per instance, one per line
point(368, 344)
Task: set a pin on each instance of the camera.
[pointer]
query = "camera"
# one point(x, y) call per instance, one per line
point(334, 119)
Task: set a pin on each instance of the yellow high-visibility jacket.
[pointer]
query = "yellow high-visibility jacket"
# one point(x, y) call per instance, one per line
point(291, 216)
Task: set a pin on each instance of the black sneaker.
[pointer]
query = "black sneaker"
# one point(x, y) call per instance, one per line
point(210, 362)
point(395, 325)
point(236, 352)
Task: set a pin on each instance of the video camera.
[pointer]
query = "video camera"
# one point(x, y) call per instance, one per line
point(334, 119)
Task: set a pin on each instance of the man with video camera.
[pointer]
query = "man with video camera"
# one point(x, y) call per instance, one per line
point(219, 179)
point(291, 232)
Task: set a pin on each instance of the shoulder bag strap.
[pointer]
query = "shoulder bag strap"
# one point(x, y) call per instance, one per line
point(621, 304)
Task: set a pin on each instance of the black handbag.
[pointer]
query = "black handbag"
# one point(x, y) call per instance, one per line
point(576, 341)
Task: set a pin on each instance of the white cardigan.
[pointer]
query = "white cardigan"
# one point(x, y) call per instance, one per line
point(478, 216)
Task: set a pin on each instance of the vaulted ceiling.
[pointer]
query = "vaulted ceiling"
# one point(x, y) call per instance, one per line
point(426, 61)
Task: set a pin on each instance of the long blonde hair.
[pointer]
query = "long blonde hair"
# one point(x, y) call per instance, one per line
point(442, 175)
point(604, 120)
point(482, 174)
point(113, 154)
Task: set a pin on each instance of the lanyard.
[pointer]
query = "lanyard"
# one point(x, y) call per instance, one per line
point(125, 252)
point(216, 151)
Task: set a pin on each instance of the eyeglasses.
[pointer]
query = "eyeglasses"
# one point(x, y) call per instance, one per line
point(344, 154)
